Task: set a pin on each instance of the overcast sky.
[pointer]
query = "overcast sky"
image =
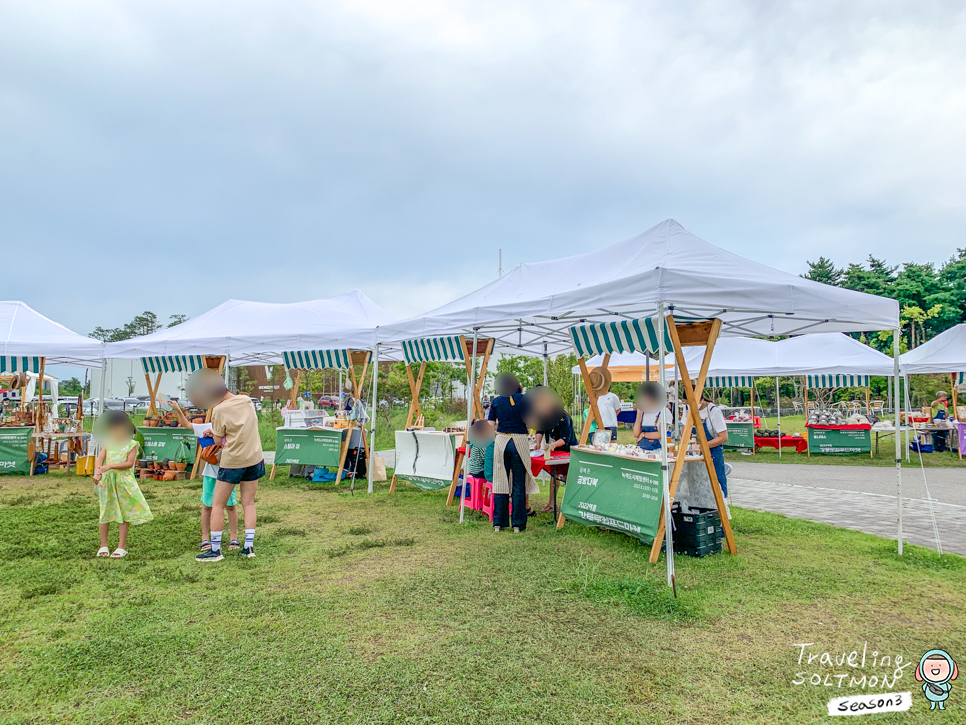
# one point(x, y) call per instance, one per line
point(169, 155)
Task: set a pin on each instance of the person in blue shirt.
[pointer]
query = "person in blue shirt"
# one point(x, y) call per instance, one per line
point(512, 475)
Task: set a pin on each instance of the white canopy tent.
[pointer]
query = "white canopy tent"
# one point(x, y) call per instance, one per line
point(257, 333)
point(31, 341)
point(532, 309)
point(666, 267)
point(945, 353)
point(26, 335)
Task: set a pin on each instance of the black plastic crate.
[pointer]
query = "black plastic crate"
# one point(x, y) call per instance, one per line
point(698, 551)
point(699, 537)
point(695, 518)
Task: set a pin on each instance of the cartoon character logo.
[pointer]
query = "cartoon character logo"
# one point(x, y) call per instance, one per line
point(935, 671)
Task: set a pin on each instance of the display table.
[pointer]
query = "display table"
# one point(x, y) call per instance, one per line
point(49, 444)
point(614, 492)
point(425, 458)
point(308, 447)
point(740, 435)
point(15, 450)
point(161, 443)
point(839, 440)
point(797, 442)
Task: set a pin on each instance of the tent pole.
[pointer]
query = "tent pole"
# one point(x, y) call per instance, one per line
point(100, 404)
point(375, 406)
point(896, 398)
point(908, 408)
point(544, 358)
point(662, 429)
point(778, 403)
point(470, 400)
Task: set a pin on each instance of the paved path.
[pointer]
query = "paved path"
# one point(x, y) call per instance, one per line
point(860, 498)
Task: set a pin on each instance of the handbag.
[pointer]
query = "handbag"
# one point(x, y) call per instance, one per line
point(209, 454)
point(379, 469)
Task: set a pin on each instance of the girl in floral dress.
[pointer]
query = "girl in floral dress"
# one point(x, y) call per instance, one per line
point(118, 494)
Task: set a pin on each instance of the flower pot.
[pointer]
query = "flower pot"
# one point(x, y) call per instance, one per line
point(169, 475)
point(157, 476)
point(181, 466)
point(172, 466)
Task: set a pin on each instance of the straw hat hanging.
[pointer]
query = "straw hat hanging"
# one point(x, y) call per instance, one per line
point(599, 380)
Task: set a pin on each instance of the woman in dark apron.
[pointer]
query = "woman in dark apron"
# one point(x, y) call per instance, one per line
point(651, 405)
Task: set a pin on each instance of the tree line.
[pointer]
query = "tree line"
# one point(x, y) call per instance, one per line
point(931, 299)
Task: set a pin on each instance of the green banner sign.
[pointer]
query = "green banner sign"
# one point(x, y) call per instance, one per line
point(740, 435)
point(13, 450)
point(308, 447)
point(161, 443)
point(614, 492)
point(839, 442)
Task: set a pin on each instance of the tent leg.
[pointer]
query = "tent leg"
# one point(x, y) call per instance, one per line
point(375, 405)
point(470, 404)
point(895, 357)
point(662, 429)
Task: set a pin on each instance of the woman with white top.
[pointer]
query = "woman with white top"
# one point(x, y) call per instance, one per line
point(716, 431)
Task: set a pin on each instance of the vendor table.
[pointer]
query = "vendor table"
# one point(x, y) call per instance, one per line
point(837, 440)
point(15, 450)
point(885, 433)
point(49, 443)
point(614, 492)
point(426, 458)
point(931, 430)
point(797, 442)
point(308, 447)
point(740, 435)
point(161, 443)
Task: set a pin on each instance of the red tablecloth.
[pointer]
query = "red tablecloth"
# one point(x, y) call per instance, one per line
point(799, 444)
point(538, 463)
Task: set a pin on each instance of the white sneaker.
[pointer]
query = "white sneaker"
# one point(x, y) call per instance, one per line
point(496, 528)
point(516, 529)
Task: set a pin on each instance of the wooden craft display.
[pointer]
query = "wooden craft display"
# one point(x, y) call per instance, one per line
point(356, 358)
point(691, 334)
point(484, 349)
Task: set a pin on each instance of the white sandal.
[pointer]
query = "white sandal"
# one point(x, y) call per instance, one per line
point(103, 551)
point(118, 553)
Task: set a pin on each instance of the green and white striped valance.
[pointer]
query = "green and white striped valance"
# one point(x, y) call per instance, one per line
point(838, 381)
point(623, 336)
point(731, 381)
point(435, 349)
point(172, 363)
point(11, 364)
point(317, 359)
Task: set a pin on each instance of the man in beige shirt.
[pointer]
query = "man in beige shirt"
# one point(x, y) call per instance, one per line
point(234, 426)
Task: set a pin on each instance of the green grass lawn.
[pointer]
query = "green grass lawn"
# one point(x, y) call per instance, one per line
point(382, 609)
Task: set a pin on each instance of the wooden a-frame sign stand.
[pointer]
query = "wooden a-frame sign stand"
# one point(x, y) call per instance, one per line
point(682, 335)
point(484, 349)
point(356, 357)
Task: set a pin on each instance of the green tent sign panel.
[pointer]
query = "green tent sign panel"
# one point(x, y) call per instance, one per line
point(614, 492)
point(308, 447)
point(161, 443)
point(839, 441)
point(740, 435)
point(14, 443)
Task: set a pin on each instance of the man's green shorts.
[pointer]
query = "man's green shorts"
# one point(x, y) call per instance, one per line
point(208, 492)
